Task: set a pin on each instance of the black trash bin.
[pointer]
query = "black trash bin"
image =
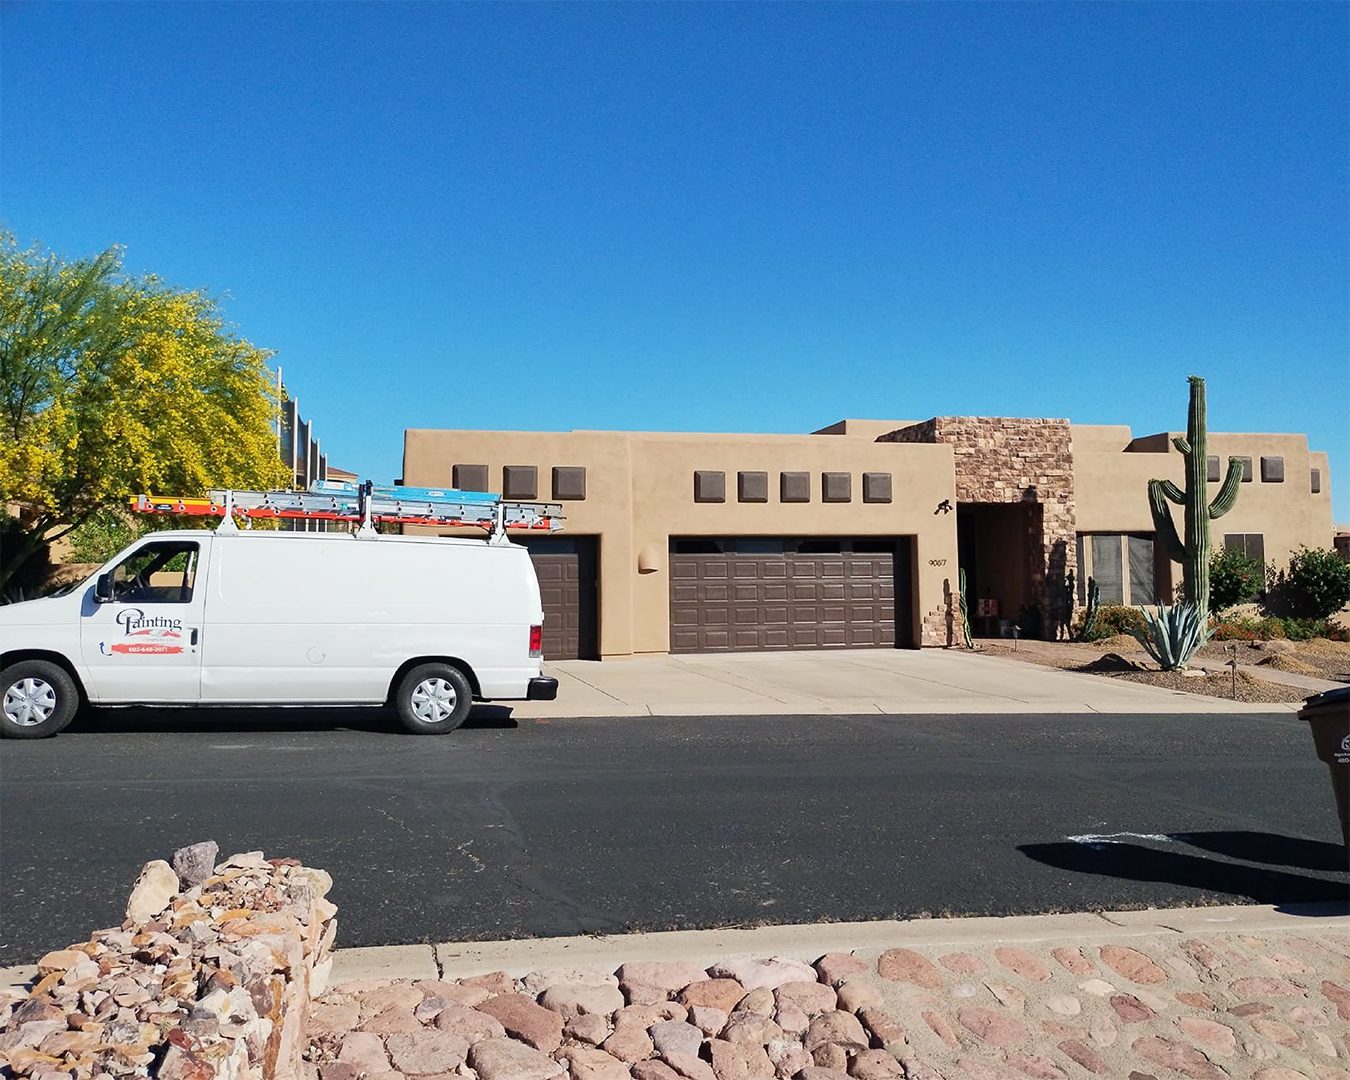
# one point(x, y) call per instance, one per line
point(1328, 717)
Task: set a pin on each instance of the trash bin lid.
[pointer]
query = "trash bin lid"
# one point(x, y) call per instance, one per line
point(1327, 699)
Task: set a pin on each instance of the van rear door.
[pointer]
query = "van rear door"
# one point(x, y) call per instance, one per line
point(143, 644)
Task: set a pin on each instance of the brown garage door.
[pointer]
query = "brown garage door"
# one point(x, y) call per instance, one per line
point(566, 571)
point(785, 593)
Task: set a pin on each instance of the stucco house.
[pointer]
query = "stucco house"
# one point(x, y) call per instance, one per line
point(852, 536)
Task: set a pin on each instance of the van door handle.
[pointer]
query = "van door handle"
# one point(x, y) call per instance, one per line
point(193, 639)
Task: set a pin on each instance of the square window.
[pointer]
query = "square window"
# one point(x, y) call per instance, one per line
point(876, 487)
point(520, 482)
point(709, 486)
point(569, 482)
point(469, 477)
point(1246, 469)
point(836, 487)
point(752, 487)
point(794, 487)
point(1272, 470)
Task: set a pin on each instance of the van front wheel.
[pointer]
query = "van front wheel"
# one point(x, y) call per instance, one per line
point(433, 699)
point(37, 699)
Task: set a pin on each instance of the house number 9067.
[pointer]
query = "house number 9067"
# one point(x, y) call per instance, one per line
point(937, 562)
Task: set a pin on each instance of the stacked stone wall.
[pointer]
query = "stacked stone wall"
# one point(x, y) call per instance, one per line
point(1015, 460)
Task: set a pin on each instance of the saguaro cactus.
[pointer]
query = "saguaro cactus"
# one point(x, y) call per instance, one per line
point(1193, 553)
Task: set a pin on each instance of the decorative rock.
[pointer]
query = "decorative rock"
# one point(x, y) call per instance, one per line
point(152, 892)
point(1042, 1068)
point(1266, 987)
point(942, 1029)
point(506, 1059)
point(739, 1061)
point(1179, 1056)
point(905, 965)
point(875, 1065)
point(812, 998)
point(834, 968)
point(395, 1020)
point(1022, 963)
point(61, 960)
point(1081, 1053)
point(1250, 1008)
point(816, 1072)
point(830, 1056)
point(1130, 1009)
point(494, 982)
point(751, 1028)
point(536, 982)
point(394, 996)
point(719, 993)
point(787, 1056)
point(1010, 997)
point(770, 974)
point(641, 994)
point(586, 1063)
point(1132, 964)
point(1073, 961)
point(837, 1027)
point(1274, 1030)
point(527, 1020)
point(333, 1018)
point(690, 1067)
point(791, 1019)
point(1064, 1004)
point(1102, 1031)
point(1099, 987)
point(675, 1036)
point(1217, 1037)
point(879, 1024)
point(364, 1052)
point(962, 963)
point(644, 1016)
point(1197, 1000)
point(195, 863)
point(711, 1021)
point(571, 999)
point(853, 996)
point(669, 976)
point(759, 1002)
point(420, 1053)
point(628, 1043)
point(587, 1028)
point(654, 1070)
point(472, 1025)
point(993, 1027)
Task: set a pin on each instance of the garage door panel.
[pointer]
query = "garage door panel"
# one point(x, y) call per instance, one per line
point(762, 599)
point(567, 592)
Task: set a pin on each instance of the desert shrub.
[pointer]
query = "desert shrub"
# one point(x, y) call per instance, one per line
point(1315, 585)
point(1237, 630)
point(1234, 578)
point(1114, 619)
point(1271, 628)
point(1304, 629)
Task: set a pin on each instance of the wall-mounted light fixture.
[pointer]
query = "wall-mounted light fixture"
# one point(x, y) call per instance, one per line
point(649, 560)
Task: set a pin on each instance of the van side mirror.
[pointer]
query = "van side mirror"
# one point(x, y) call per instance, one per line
point(103, 588)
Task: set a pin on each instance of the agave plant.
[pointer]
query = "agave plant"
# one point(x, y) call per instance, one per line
point(1172, 634)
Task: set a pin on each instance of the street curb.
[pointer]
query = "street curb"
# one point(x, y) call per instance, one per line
point(808, 942)
point(1194, 704)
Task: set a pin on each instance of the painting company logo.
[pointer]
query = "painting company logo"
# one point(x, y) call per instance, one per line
point(145, 635)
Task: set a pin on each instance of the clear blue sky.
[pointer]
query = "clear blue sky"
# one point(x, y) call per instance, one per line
point(694, 217)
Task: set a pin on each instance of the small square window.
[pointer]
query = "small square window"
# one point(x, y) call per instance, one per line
point(569, 482)
point(836, 487)
point(794, 487)
point(1246, 469)
point(1272, 470)
point(469, 477)
point(520, 482)
point(752, 487)
point(709, 486)
point(876, 487)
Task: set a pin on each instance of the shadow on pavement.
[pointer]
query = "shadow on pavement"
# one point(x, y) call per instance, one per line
point(1135, 862)
point(216, 720)
point(1269, 848)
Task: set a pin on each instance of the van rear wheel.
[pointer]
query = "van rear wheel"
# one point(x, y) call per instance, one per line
point(37, 699)
point(433, 699)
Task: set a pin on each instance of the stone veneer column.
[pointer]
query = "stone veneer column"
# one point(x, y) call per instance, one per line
point(1016, 460)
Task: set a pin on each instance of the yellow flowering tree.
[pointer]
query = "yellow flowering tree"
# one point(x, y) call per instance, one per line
point(111, 386)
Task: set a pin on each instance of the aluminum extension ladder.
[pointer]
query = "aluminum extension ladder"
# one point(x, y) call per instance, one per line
point(364, 505)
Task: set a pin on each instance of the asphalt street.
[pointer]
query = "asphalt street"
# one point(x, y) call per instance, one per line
point(575, 826)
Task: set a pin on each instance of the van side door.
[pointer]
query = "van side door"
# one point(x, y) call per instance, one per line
point(143, 644)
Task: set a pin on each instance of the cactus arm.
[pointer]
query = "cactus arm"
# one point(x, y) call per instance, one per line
point(1227, 496)
point(1168, 488)
point(1162, 521)
point(1182, 443)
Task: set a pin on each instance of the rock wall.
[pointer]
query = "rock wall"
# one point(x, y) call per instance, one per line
point(209, 978)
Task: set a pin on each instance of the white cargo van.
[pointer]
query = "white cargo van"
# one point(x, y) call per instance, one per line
point(425, 624)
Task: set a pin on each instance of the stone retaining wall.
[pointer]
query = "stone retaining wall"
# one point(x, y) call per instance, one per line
point(209, 978)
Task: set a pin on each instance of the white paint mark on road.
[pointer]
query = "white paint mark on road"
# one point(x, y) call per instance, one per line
point(1097, 840)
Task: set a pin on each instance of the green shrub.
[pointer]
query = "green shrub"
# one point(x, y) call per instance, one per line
point(1234, 578)
point(1304, 629)
point(1316, 585)
point(1115, 619)
point(103, 535)
point(1237, 630)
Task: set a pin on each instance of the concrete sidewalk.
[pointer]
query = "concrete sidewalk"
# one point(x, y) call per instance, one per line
point(850, 681)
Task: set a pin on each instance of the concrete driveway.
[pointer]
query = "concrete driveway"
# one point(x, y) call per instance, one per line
point(849, 681)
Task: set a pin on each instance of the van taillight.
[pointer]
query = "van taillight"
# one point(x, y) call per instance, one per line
point(536, 641)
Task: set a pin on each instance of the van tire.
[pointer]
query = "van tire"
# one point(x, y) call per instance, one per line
point(430, 691)
point(37, 699)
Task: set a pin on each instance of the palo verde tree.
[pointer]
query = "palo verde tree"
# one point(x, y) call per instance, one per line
point(111, 386)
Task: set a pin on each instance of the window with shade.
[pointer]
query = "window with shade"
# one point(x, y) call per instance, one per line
point(1123, 565)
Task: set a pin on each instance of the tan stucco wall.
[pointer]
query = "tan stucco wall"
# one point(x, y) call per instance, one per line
point(1111, 486)
point(640, 492)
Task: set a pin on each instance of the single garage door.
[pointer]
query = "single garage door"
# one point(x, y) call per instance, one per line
point(565, 567)
point(788, 593)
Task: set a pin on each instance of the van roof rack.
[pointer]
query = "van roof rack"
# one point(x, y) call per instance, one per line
point(364, 505)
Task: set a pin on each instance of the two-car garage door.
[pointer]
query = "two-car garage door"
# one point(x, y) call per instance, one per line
point(788, 593)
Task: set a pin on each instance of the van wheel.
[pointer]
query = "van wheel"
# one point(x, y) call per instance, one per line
point(37, 699)
point(433, 699)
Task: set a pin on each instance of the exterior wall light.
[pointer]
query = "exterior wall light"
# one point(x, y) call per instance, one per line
point(649, 560)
